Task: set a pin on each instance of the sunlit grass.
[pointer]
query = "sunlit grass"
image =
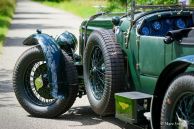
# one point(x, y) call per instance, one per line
point(86, 8)
point(82, 8)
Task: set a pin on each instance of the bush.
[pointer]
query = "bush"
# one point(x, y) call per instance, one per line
point(52, 0)
point(123, 2)
point(114, 4)
point(111, 6)
point(7, 7)
point(6, 11)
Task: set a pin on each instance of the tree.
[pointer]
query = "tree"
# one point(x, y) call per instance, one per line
point(123, 2)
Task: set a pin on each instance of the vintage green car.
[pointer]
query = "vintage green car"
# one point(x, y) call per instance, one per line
point(143, 59)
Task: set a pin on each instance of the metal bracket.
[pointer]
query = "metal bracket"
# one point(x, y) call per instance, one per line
point(127, 36)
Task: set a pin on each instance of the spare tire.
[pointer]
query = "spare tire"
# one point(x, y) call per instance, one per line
point(30, 82)
point(103, 71)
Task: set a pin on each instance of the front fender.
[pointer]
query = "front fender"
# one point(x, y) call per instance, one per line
point(54, 61)
point(186, 59)
point(172, 70)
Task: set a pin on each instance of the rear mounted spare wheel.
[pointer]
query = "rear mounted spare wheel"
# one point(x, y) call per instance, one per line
point(103, 71)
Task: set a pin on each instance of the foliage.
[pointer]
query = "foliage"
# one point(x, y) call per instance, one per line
point(52, 0)
point(7, 7)
point(85, 8)
point(82, 8)
point(157, 1)
point(118, 4)
point(6, 12)
point(123, 2)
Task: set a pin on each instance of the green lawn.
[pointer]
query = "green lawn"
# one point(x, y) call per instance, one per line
point(6, 12)
point(77, 7)
point(82, 8)
point(85, 8)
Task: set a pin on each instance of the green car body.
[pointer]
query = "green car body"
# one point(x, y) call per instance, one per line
point(151, 63)
point(147, 56)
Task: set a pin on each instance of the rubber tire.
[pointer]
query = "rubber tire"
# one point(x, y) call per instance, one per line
point(182, 84)
point(114, 70)
point(59, 106)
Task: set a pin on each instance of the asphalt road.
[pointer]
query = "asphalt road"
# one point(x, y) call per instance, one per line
point(28, 17)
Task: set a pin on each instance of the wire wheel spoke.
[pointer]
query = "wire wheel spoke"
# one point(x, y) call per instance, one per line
point(97, 72)
point(184, 110)
point(101, 82)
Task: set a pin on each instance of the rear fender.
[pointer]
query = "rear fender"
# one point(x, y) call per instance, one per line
point(172, 70)
point(54, 61)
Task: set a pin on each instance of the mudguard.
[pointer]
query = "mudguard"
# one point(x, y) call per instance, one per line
point(173, 69)
point(179, 64)
point(54, 60)
point(187, 59)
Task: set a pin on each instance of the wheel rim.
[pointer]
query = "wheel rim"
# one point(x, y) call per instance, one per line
point(97, 72)
point(37, 85)
point(183, 114)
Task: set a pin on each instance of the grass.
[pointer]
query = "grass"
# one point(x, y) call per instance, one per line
point(6, 13)
point(85, 8)
point(82, 8)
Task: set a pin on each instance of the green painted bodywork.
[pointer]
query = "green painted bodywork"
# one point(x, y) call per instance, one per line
point(147, 56)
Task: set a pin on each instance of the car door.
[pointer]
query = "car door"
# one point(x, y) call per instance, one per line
point(151, 55)
point(151, 61)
